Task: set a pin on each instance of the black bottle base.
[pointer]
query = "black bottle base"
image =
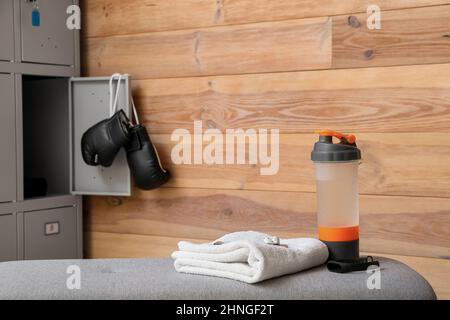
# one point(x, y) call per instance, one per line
point(343, 250)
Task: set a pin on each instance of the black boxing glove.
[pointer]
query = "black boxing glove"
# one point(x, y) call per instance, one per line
point(143, 160)
point(101, 143)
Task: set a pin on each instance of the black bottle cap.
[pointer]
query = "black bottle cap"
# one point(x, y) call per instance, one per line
point(327, 151)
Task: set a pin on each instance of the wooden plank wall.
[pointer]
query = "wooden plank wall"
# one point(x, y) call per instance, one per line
point(296, 65)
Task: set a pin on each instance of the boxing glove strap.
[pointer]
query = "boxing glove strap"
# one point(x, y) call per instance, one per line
point(135, 143)
point(120, 128)
point(344, 266)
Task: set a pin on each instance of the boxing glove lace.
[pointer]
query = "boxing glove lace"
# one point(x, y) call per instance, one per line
point(101, 143)
point(143, 160)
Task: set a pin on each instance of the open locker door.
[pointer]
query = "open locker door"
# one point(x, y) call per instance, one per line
point(89, 104)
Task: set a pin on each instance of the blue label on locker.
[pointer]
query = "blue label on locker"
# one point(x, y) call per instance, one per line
point(35, 18)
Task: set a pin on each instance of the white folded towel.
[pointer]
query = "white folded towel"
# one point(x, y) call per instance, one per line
point(248, 257)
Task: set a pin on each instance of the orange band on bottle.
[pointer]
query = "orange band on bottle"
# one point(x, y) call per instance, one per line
point(339, 234)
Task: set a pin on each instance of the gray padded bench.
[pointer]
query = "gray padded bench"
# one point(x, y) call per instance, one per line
point(157, 279)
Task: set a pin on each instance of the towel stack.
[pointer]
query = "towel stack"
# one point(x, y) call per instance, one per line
point(249, 256)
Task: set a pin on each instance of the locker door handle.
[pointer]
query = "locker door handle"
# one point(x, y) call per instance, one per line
point(52, 228)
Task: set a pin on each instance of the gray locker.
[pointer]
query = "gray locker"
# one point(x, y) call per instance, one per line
point(56, 113)
point(51, 42)
point(8, 238)
point(6, 30)
point(50, 234)
point(7, 139)
point(36, 62)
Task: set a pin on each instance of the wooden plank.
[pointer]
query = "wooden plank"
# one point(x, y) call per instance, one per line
point(385, 99)
point(406, 37)
point(252, 48)
point(395, 225)
point(114, 245)
point(106, 17)
point(413, 164)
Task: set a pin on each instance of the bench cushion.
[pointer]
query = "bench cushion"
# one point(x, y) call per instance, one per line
point(157, 279)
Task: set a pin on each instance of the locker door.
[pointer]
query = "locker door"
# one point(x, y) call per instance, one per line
point(7, 139)
point(51, 41)
point(89, 104)
point(8, 238)
point(50, 234)
point(6, 30)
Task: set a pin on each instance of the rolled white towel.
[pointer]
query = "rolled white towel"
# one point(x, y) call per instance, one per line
point(249, 256)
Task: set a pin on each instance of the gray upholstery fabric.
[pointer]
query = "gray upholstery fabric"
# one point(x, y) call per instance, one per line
point(157, 279)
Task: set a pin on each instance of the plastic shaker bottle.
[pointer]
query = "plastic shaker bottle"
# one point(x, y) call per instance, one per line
point(336, 167)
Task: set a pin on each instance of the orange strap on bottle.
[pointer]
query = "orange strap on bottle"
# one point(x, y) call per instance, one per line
point(338, 234)
point(350, 138)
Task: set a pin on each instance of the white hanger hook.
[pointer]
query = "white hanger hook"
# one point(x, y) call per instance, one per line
point(113, 104)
